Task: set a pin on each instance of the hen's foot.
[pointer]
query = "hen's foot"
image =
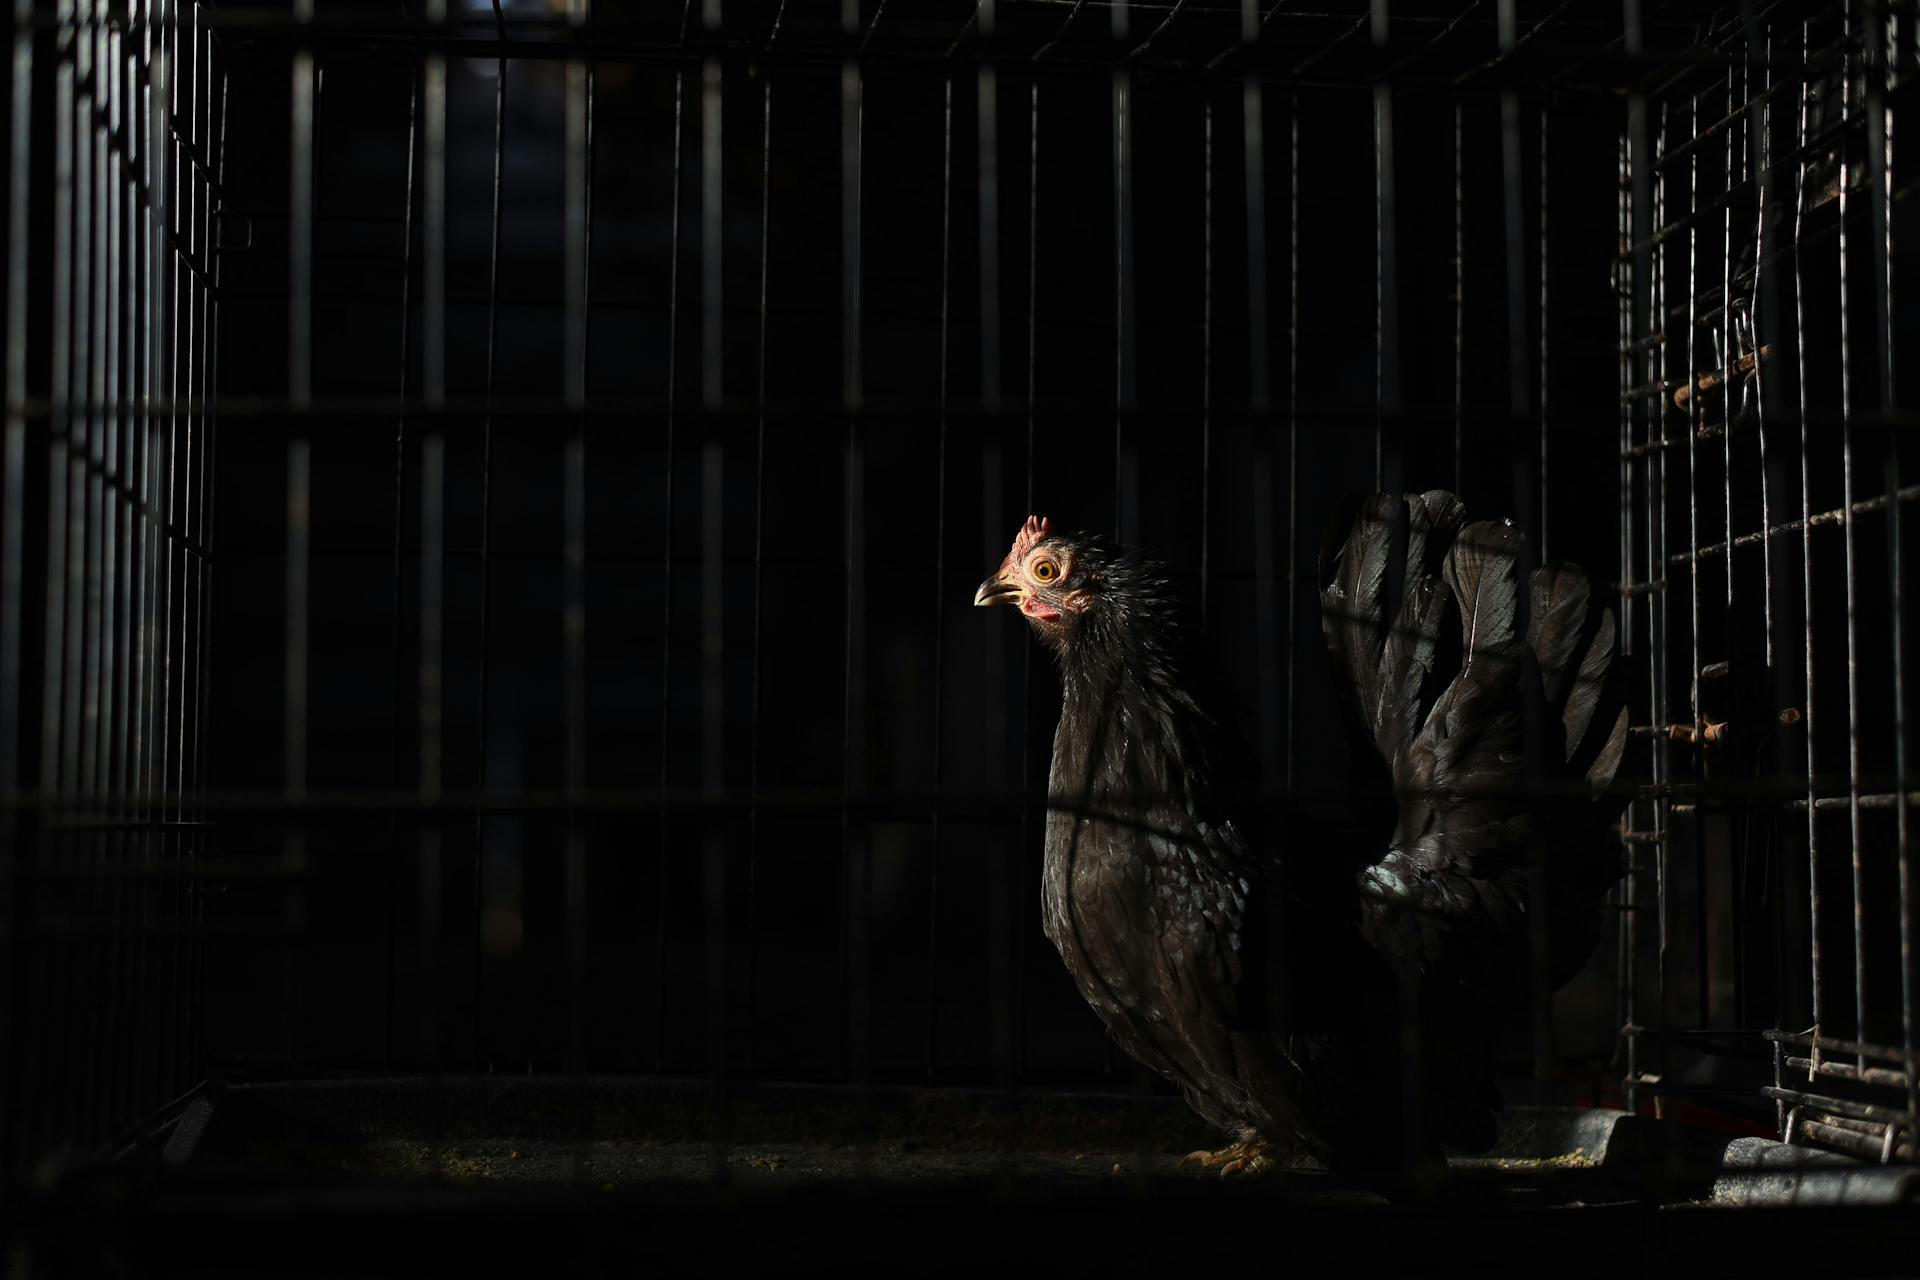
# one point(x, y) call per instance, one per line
point(1242, 1159)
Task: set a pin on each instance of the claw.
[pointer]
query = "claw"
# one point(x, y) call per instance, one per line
point(1242, 1159)
point(1251, 1165)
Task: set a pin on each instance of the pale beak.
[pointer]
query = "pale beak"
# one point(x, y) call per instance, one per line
point(997, 590)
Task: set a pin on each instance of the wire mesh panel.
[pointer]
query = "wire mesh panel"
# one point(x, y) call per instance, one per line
point(617, 409)
point(1764, 550)
point(113, 282)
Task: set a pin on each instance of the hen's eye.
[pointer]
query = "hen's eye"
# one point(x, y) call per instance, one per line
point(1045, 571)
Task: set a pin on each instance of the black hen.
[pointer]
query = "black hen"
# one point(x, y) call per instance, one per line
point(1320, 993)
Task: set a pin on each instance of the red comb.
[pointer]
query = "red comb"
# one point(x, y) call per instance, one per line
point(1030, 533)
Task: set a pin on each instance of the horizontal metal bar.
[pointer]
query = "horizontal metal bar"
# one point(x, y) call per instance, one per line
point(1885, 1077)
point(1868, 800)
point(1829, 1044)
point(1836, 1106)
point(906, 806)
point(471, 409)
point(483, 36)
point(1889, 1144)
point(1910, 493)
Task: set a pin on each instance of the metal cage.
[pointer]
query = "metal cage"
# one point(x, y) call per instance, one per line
point(596, 418)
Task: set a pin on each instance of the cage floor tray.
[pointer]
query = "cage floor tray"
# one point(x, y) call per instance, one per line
point(603, 1170)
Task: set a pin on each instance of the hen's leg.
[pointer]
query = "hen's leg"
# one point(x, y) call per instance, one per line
point(1249, 1157)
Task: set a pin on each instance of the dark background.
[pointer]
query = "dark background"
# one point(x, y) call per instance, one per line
point(944, 488)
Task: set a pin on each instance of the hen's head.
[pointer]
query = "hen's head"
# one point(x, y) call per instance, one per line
point(1052, 577)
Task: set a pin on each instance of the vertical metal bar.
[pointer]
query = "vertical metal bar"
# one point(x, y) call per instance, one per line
point(1760, 148)
point(1266, 570)
point(152, 995)
point(80, 424)
point(433, 491)
point(130, 671)
point(94, 585)
point(433, 488)
point(1002, 894)
point(433, 269)
point(1512, 184)
point(299, 498)
point(940, 586)
point(712, 250)
point(1857, 850)
point(477, 948)
point(205, 528)
point(666, 609)
point(1546, 416)
point(86, 709)
point(1386, 292)
point(1728, 352)
point(293, 866)
point(856, 922)
point(1125, 460)
point(65, 508)
point(1293, 419)
point(759, 572)
point(1460, 300)
point(158, 345)
point(12, 554)
point(573, 624)
point(1017, 1005)
point(200, 479)
point(133, 1039)
point(109, 77)
point(188, 573)
point(1725, 356)
point(12, 538)
point(1880, 171)
point(1033, 322)
point(159, 107)
point(988, 113)
point(300, 226)
point(150, 1034)
point(106, 1098)
point(1696, 418)
point(60, 420)
point(1763, 327)
point(1266, 552)
point(1539, 938)
point(183, 382)
point(1806, 551)
point(1659, 602)
point(713, 612)
point(1628, 285)
point(1206, 361)
point(399, 517)
point(112, 405)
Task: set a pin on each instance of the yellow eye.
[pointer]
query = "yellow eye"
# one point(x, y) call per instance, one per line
point(1045, 571)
